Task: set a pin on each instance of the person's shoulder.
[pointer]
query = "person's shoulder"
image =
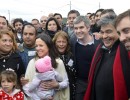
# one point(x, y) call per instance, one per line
point(33, 60)
point(15, 54)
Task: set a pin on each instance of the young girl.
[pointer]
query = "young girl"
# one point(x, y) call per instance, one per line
point(8, 91)
point(45, 72)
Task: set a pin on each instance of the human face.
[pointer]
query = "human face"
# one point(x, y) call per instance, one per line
point(6, 85)
point(52, 26)
point(59, 19)
point(43, 21)
point(81, 31)
point(29, 36)
point(61, 44)
point(41, 48)
point(6, 44)
point(109, 35)
point(98, 16)
point(71, 18)
point(50, 15)
point(3, 23)
point(92, 20)
point(123, 29)
point(18, 27)
point(88, 15)
point(36, 24)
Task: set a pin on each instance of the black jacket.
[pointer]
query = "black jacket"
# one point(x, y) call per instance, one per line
point(14, 62)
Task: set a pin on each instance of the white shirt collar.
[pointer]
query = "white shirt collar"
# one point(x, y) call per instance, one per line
point(90, 43)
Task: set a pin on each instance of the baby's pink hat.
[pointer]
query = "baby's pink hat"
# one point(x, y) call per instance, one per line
point(43, 64)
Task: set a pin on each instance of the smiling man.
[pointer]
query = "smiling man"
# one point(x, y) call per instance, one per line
point(110, 69)
point(83, 50)
point(122, 25)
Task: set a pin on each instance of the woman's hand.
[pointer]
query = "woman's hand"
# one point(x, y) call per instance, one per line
point(47, 85)
point(24, 81)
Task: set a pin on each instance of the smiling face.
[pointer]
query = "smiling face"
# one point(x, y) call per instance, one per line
point(123, 29)
point(109, 35)
point(61, 44)
point(6, 44)
point(81, 30)
point(41, 48)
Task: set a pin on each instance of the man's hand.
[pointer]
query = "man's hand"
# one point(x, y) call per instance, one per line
point(24, 81)
point(97, 35)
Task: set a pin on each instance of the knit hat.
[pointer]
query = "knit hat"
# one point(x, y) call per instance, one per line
point(43, 64)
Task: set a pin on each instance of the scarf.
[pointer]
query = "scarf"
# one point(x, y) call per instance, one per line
point(121, 73)
point(5, 56)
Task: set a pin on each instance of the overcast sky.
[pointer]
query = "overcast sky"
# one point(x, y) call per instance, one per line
point(29, 9)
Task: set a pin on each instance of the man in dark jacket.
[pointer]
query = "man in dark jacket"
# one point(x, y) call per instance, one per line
point(83, 50)
point(110, 71)
point(27, 48)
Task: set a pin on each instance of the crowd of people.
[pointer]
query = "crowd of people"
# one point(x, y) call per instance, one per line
point(87, 58)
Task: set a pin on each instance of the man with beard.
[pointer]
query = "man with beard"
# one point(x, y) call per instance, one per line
point(18, 24)
point(122, 25)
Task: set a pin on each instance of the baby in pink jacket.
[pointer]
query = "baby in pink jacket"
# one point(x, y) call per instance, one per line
point(45, 72)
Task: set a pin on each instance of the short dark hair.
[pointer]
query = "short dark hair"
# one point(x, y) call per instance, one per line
point(73, 11)
point(30, 24)
point(57, 14)
point(93, 14)
point(18, 20)
point(35, 19)
point(99, 10)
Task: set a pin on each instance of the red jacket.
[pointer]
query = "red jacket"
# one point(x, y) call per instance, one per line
point(17, 95)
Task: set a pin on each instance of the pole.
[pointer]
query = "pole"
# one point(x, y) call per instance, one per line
point(70, 5)
point(99, 5)
point(9, 14)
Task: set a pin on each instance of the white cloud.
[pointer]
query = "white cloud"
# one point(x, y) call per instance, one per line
point(28, 9)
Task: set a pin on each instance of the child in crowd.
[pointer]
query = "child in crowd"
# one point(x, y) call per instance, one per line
point(8, 91)
point(45, 72)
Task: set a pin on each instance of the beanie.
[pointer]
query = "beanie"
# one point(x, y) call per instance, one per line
point(43, 64)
